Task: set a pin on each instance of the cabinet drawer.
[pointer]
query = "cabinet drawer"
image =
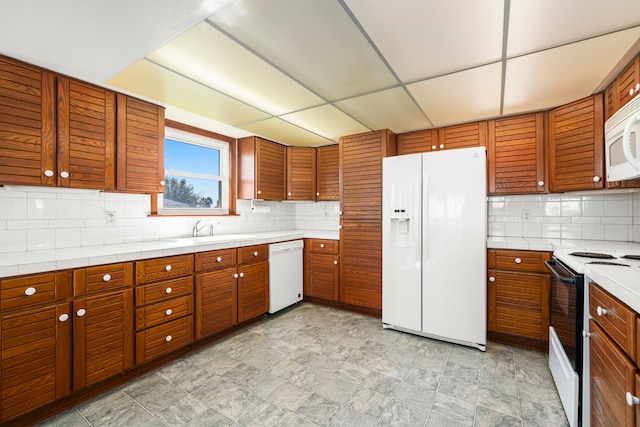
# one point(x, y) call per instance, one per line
point(251, 254)
point(162, 312)
point(162, 339)
point(156, 292)
point(323, 246)
point(163, 268)
point(102, 278)
point(506, 259)
point(617, 320)
point(215, 260)
point(36, 289)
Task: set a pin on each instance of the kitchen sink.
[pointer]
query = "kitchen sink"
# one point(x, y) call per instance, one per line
point(211, 239)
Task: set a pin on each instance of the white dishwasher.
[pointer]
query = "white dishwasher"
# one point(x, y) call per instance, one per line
point(285, 274)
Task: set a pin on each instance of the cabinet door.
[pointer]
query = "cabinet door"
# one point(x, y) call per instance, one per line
point(361, 173)
point(462, 136)
point(27, 124)
point(140, 145)
point(301, 173)
point(253, 290)
point(270, 170)
point(612, 376)
point(36, 358)
point(626, 82)
point(515, 155)
point(327, 173)
point(86, 135)
point(576, 145)
point(216, 301)
point(323, 276)
point(361, 263)
point(418, 142)
point(102, 337)
point(518, 304)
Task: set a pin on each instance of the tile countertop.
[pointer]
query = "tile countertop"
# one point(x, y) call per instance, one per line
point(28, 262)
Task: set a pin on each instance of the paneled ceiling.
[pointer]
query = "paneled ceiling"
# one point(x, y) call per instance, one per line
point(305, 72)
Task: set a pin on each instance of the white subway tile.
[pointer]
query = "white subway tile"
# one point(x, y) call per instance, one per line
point(68, 208)
point(68, 237)
point(41, 239)
point(571, 208)
point(617, 207)
point(13, 208)
point(13, 241)
point(617, 232)
point(571, 231)
point(593, 231)
point(41, 208)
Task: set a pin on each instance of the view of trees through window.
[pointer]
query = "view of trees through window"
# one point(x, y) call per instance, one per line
point(178, 192)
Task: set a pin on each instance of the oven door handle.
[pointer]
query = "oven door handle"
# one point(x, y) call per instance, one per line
point(552, 268)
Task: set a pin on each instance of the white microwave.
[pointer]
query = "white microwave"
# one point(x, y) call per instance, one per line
point(622, 143)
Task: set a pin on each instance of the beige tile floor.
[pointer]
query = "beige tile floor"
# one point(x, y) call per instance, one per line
point(318, 366)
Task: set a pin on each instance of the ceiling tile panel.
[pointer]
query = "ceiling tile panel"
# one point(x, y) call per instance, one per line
point(315, 41)
point(326, 121)
point(429, 38)
point(460, 97)
point(281, 131)
point(389, 109)
point(206, 55)
point(556, 76)
point(540, 24)
point(156, 83)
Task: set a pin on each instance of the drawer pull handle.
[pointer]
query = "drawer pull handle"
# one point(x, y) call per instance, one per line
point(219, 259)
point(241, 274)
point(168, 268)
point(81, 312)
point(601, 311)
point(168, 312)
point(632, 400)
point(492, 279)
point(168, 290)
point(235, 275)
point(29, 291)
point(518, 260)
point(321, 245)
point(63, 317)
point(255, 253)
point(168, 338)
point(106, 277)
point(335, 262)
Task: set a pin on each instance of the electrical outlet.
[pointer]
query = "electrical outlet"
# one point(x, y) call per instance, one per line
point(110, 217)
point(526, 216)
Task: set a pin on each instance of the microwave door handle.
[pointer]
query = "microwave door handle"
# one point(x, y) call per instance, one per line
point(552, 268)
point(626, 141)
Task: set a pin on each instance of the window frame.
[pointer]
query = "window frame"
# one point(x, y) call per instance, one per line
point(191, 134)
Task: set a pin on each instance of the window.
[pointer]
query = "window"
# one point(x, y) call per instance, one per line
point(196, 170)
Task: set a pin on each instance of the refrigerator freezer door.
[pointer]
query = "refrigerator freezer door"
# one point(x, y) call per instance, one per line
point(401, 246)
point(454, 203)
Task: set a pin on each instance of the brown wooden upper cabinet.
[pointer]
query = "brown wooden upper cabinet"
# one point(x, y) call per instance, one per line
point(515, 155)
point(140, 144)
point(301, 173)
point(327, 173)
point(446, 138)
point(421, 141)
point(261, 169)
point(623, 88)
point(576, 145)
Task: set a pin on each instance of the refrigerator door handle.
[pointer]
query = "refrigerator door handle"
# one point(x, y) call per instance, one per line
point(425, 216)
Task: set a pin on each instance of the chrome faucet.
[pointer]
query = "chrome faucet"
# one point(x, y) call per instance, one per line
point(196, 229)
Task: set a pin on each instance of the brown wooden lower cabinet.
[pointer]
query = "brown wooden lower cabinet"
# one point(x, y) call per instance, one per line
point(253, 290)
point(216, 301)
point(322, 265)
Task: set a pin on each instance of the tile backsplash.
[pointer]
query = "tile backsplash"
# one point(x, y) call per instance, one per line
point(601, 216)
point(33, 218)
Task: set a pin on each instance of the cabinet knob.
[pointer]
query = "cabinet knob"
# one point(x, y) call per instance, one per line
point(433, 147)
point(259, 192)
point(64, 174)
point(518, 260)
point(289, 194)
point(63, 317)
point(631, 92)
point(322, 245)
point(585, 334)
point(255, 253)
point(317, 194)
point(162, 182)
point(339, 212)
point(106, 277)
point(632, 400)
point(48, 173)
point(219, 259)
point(168, 268)
point(540, 183)
point(441, 146)
point(168, 312)
point(335, 262)
point(601, 311)
point(168, 338)
point(81, 312)
point(168, 290)
point(241, 274)
point(29, 291)
point(596, 179)
point(492, 279)
point(235, 275)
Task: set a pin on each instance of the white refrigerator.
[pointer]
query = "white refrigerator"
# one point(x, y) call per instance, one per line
point(434, 222)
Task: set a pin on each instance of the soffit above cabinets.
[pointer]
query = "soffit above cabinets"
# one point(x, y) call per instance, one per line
point(305, 72)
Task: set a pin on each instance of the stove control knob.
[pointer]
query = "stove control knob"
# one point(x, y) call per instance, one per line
point(601, 311)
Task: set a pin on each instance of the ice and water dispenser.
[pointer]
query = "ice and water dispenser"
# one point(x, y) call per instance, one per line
point(400, 220)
